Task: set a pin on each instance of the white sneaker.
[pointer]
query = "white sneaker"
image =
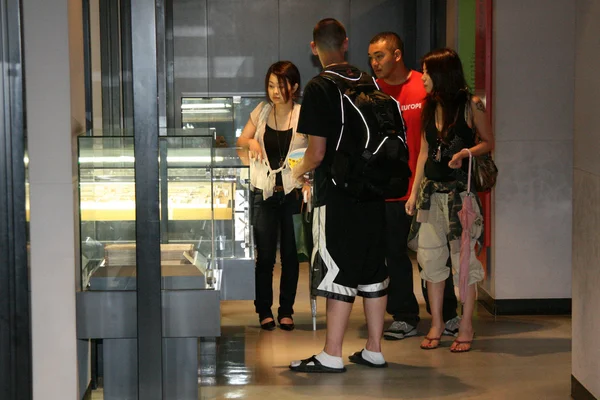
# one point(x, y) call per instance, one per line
point(399, 330)
point(451, 328)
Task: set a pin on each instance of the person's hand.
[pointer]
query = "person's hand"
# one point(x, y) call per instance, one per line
point(306, 193)
point(297, 175)
point(243, 155)
point(255, 150)
point(457, 158)
point(410, 205)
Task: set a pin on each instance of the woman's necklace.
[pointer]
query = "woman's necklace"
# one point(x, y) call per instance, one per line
point(441, 139)
point(279, 146)
point(438, 154)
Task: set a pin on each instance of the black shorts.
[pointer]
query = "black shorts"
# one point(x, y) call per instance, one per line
point(349, 249)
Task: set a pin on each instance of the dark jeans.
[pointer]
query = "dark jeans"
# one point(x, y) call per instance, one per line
point(402, 303)
point(272, 218)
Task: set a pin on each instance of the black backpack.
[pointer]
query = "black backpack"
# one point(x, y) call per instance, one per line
point(371, 157)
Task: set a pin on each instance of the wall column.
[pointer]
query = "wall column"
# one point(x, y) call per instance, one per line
point(54, 81)
point(586, 205)
point(533, 69)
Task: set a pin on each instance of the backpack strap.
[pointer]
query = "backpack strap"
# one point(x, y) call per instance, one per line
point(337, 76)
point(341, 87)
point(340, 82)
point(364, 82)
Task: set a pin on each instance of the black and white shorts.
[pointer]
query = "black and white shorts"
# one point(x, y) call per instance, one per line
point(348, 256)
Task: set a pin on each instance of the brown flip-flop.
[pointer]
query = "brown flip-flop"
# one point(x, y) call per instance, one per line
point(431, 340)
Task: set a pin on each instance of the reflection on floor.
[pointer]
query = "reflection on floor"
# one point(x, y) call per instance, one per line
point(512, 358)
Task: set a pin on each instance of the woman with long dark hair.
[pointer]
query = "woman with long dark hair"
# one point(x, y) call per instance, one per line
point(455, 126)
point(270, 135)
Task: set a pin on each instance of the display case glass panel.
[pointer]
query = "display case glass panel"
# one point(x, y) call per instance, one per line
point(107, 210)
point(204, 112)
point(204, 196)
point(223, 117)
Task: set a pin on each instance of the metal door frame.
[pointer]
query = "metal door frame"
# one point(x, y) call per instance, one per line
point(15, 309)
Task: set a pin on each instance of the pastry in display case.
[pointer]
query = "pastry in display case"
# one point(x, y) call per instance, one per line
point(204, 208)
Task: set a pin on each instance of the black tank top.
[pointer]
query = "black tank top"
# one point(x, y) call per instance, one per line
point(459, 137)
point(277, 144)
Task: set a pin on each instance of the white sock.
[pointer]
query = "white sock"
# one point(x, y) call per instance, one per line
point(373, 357)
point(325, 359)
point(330, 361)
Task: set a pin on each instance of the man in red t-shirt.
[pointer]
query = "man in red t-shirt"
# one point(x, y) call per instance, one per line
point(386, 56)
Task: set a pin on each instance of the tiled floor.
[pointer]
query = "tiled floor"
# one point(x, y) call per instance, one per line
point(512, 358)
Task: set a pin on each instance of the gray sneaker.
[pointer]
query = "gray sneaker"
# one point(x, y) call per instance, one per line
point(451, 328)
point(399, 330)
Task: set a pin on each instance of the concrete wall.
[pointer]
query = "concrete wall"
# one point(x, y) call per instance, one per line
point(586, 199)
point(533, 67)
point(55, 113)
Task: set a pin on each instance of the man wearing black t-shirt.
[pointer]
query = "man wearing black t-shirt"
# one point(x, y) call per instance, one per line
point(348, 235)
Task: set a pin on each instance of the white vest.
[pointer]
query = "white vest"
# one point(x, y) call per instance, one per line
point(261, 174)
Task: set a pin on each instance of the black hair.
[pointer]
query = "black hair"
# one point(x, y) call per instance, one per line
point(393, 40)
point(329, 34)
point(449, 88)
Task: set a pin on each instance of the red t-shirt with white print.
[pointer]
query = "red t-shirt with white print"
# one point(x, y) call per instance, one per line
point(411, 95)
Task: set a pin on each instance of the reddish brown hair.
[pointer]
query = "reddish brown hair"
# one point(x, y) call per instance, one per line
point(286, 72)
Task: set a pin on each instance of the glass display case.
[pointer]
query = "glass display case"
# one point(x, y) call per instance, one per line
point(204, 208)
point(224, 117)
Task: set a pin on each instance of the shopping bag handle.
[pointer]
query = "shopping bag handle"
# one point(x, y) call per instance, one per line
point(305, 212)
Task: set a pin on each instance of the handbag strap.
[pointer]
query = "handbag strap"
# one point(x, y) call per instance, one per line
point(470, 169)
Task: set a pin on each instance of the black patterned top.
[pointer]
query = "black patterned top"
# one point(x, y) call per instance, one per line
point(459, 137)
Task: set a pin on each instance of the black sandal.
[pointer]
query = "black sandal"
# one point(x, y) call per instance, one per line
point(357, 358)
point(286, 327)
point(313, 365)
point(267, 326)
